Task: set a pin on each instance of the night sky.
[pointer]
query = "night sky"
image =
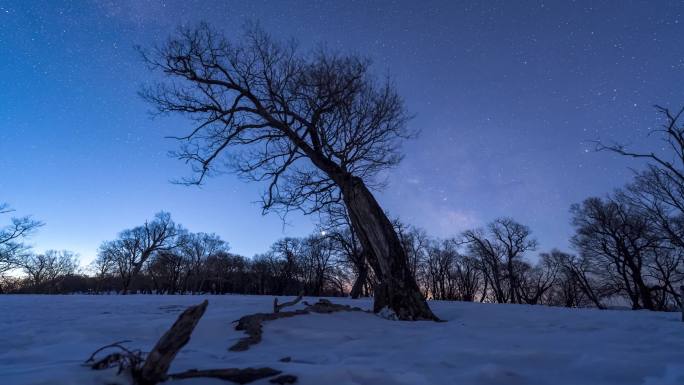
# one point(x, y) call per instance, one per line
point(508, 96)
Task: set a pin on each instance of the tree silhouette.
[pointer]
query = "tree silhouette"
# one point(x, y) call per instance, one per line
point(11, 236)
point(316, 126)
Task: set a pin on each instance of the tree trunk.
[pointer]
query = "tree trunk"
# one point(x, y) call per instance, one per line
point(360, 281)
point(159, 360)
point(126, 282)
point(397, 289)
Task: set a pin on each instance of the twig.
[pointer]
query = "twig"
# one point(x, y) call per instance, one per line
point(112, 345)
point(125, 359)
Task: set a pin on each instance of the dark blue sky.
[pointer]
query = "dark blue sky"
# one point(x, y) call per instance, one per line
point(507, 95)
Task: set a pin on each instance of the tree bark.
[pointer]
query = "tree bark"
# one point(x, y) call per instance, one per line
point(360, 281)
point(397, 290)
point(159, 359)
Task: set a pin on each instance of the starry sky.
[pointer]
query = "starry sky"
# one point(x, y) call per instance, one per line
point(508, 97)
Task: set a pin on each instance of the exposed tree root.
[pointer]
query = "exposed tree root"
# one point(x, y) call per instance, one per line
point(252, 324)
point(324, 306)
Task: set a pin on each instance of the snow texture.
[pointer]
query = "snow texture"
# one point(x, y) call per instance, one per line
point(45, 339)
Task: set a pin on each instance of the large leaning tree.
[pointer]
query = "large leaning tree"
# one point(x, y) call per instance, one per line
point(316, 126)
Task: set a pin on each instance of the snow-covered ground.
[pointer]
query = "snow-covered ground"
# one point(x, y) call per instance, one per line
point(44, 339)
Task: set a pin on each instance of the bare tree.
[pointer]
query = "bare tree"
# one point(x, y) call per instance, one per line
point(659, 189)
point(103, 268)
point(170, 272)
point(50, 268)
point(669, 159)
point(316, 126)
point(285, 262)
point(196, 248)
point(318, 262)
point(11, 237)
point(657, 193)
point(536, 281)
point(566, 289)
point(448, 274)
point(442, 258)
point(346, 242)
point(500, 250)
point(468, 278)
point(135, 246)
point(416, 243)
point(228, 273)
point(627, 250)
point(490, 263)
point(338, 228)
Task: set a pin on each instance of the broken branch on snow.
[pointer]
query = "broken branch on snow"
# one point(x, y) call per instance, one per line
point(153, 369)
point(277, 308)
point(158, 361)
point(252, 324)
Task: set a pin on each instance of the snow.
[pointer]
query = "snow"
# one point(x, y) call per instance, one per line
point(44, 340)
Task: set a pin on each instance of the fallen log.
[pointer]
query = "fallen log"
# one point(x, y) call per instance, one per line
point(158, 361)
point(252, 324)
point(153, 369)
